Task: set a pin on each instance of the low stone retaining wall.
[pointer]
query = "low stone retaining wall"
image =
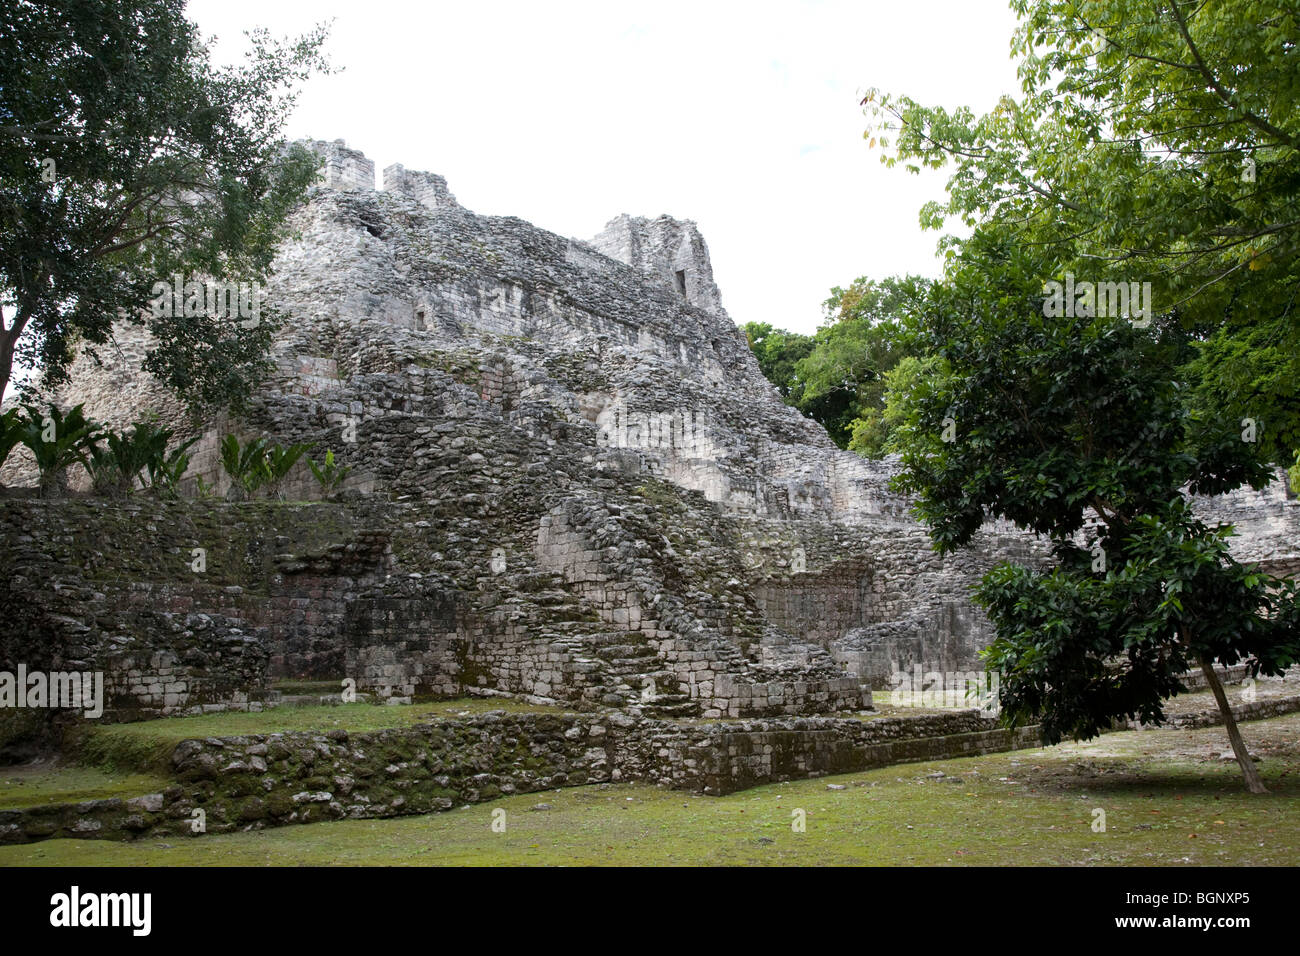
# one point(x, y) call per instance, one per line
point(1194, 680)
point(751, 759)
point(111, 819)
point(1256, 710)
point(248, 782)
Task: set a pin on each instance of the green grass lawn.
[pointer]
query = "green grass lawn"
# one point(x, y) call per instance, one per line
point(1169, 800)
point(147, 745)
point(36, 784)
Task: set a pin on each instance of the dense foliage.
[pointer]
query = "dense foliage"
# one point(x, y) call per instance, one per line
point(127, 159)
point(1151, 143)
point(1149, 151)
point(837, 376)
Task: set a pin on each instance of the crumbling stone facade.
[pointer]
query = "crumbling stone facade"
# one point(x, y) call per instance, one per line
point(672, 252)
point(570, 482)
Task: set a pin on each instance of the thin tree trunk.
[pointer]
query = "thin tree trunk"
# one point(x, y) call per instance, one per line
point(8, 342)
point(1248, 768)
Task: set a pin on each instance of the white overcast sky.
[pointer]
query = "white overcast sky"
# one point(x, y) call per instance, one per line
point(741, 116)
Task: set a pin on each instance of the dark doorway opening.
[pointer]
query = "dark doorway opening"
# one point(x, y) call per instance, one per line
point(681, 282)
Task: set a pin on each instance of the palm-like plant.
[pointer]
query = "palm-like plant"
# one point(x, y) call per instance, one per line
point(130, 456)
point(328, 473)
point(246, 465)
point(259, 463)
point(115, 467)
point(57, 441)
point(279, 461)
point(166, 470)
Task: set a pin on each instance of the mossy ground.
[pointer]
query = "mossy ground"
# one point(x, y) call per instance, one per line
point(36, 784)
point(1169, 800)
point(147, 745)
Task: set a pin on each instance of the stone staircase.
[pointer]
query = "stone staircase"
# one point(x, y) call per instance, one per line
point(619, 669)
point(606, 666)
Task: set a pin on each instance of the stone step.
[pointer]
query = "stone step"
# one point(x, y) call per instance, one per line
point(554, 599)
point(686, 709)
point(626, 652)
point(668, 699)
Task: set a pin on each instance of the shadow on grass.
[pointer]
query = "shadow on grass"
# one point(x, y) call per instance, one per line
point(1161, 780)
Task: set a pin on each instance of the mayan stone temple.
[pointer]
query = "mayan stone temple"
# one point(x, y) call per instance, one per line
point(570, 485)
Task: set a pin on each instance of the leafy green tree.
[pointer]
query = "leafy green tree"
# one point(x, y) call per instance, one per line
point(778, 352)
point(912, 376)
point(837, 375)
point(127, 158)
point(1149, 142)
point(1079, 428)
point(866, 336)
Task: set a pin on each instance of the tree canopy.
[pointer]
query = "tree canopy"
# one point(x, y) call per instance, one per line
point(127, 158)
point(1078, 428)
point(1152, 143)
point(837, 376)
point(1149, 155)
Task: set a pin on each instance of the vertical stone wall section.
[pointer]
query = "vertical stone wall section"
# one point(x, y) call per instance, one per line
point(671, 250)
point(428, 189)
point(345, 169)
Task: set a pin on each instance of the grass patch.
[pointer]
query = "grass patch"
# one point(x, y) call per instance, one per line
point(38, 784)
point(146, 746)
point(1169, 800)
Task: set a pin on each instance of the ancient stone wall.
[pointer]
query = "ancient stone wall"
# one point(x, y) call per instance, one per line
point(183, 607)
point(267, 780)
point(428, 189)
point(344, 168)
point(569, 482)
point(673, 252)
point(1267, 523)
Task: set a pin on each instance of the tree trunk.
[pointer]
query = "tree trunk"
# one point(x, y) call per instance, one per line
point(1248, 768)
point(53, 483)
point(8, 342)
point(9, 335)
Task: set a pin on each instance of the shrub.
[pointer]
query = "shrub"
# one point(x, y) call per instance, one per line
point(57, 441)
point(130, 456)
point(279, 461)
point(246, 465)
point(258, 463)
point(166, 470)
point(114, 467)
point(329, 473)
